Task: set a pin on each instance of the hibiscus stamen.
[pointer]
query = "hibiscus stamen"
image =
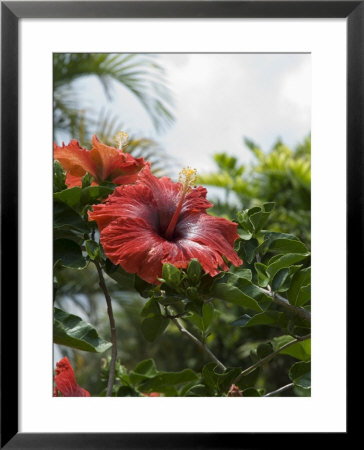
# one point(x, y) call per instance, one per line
point(121, 139)
point(187, 178)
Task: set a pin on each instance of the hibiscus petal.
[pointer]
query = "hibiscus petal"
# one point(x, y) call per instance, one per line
point(66, 381)
point(129, 201)
point(135, 246)
point(215, 233)
point(114, 164)
point(75, 159)
point(167, 195)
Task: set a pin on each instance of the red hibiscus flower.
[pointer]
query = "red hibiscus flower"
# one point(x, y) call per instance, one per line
point(104, 163)
point(66, 381)
point(157, 221)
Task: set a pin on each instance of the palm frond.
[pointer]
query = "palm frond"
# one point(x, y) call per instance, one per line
point(139, 73)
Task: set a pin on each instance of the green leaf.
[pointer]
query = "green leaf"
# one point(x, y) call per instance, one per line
point(171, 275)
point(252, 392)
point(248, 250)
point(241, 273)
point(59, 177)
point(144, 370)
point(153, 327)
point(92, 248)
point(301, 350)
point(164, 380)
point(77, 197)
point(270, 237)
point(126, 391)
point(207, 314)
point(284, 261)
point(299, 280)
point(300, 374)
point(87, 180)
point(273, 318)
point(66, 218)
point(258, 220)
point(124, 279)
point(194, 271)
point(287, 246)
point(151, 308)
point(304, 295)
point(279, 279)
point(263, 276)
point(72, 331)
point(264, 350)
point(68, 254)
point(232, 294)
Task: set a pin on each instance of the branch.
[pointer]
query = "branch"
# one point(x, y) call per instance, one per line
point(278, 391)
point(102, 284)
point(268, 358)
point(281, 301)
point(200, 344)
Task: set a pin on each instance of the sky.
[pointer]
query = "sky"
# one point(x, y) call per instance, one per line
point(218, 100)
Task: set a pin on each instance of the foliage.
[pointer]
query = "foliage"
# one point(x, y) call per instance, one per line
point(254, 319)
point(281, 175)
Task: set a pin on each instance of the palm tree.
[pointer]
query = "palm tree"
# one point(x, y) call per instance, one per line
point(139, 73)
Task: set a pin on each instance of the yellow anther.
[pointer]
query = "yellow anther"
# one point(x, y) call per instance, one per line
point(121, 139)
point(188, 177)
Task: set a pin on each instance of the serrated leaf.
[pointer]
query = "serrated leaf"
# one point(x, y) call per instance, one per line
point(72, 331)
point(68, 253)
point(300, 374)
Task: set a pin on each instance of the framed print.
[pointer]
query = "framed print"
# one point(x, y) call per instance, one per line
point(156, 183)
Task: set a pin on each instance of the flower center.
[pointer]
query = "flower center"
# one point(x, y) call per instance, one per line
point(187, 178)
point(121, 139)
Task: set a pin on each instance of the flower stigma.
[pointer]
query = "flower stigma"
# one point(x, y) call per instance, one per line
point(187, 178)
point(121, 139)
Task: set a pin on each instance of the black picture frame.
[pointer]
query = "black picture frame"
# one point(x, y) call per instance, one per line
point(11, 12)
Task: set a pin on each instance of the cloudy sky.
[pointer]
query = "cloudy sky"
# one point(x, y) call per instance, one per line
point(219, 100)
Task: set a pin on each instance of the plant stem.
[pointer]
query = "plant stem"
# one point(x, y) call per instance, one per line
point(269, 357)
point(281, 301)
point(102, 284)
point(278, 391)
point(200, 344)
